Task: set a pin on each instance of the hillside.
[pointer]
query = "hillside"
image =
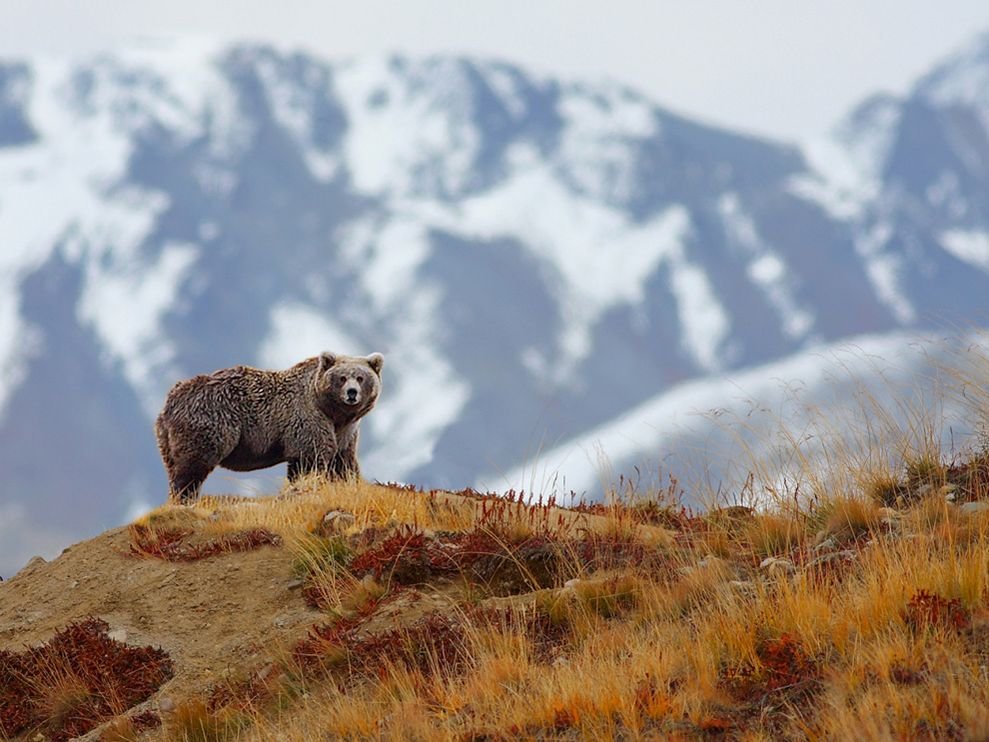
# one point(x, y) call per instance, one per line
point(853, 605)
point(537, 257)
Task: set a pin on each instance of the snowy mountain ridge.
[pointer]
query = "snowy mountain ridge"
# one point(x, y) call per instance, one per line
point(536, 258)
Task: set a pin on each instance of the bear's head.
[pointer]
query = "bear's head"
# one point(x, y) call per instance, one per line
point(348, 386)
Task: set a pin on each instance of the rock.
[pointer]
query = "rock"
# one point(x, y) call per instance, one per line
point(949, 492)
point(571, 584)
point(118, 635)
point(32, 564)
point(166, 704)
point(336, 521)
point(293, 584)
point(973, 508)
point(776, 566)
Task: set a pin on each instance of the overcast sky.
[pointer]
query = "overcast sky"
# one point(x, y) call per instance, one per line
point(785, 68)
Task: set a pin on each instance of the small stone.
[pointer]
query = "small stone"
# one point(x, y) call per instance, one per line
point(776, 566)
point(973, 508)
point(265, 672)
point(293, 585)
point(118, 635)
point(166, 704)
point(571, 584)
point(336, 521)
point(828, 544)
point(949, 492)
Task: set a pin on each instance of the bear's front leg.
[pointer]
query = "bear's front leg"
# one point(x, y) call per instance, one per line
point(307, 465)
point(315, 455)
point(345, 465)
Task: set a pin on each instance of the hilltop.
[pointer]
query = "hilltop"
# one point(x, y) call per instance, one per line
point(356, 610)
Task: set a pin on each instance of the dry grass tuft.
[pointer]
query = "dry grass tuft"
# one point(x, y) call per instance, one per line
point(76, 681)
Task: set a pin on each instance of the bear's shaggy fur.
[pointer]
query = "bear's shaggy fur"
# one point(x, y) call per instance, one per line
point(243, 418)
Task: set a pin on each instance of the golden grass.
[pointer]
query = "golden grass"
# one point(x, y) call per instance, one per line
point(686, 634)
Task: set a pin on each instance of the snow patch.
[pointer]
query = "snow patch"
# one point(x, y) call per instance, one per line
point(503, 82)
point(599, 143)
point(970, 246)
point(765, 269)
point(704, 322)
point(846, 167)
point(53, 186)
point(883, 270)
point(601, 256)
point(125, 300)
point(411, 126)
point(420, 399)
point(293, 103)
point(777, 404)
point(962, 79)
point(300, 331)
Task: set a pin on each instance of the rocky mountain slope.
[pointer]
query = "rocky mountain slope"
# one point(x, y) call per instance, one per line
point(535, 257)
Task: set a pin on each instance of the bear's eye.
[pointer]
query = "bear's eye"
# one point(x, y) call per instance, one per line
point(360, 379)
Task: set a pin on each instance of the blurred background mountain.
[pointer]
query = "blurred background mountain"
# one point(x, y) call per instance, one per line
point(557, 271)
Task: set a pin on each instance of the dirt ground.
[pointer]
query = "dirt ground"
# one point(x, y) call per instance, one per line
point(212, 616)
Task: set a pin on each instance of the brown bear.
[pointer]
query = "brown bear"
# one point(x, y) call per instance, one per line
point(243, 418)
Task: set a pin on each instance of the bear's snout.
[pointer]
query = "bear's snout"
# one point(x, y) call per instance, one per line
point(352, 393)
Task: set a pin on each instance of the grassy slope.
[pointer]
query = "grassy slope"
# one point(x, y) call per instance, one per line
point(446, 616)
point(856, 608)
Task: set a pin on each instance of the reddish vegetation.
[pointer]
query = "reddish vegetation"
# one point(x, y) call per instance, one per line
point(145, 720)
point(76, 681)
point(169, 544)
point(433, 644)
point(783, 665)
point(930, 611)
point(410, 557)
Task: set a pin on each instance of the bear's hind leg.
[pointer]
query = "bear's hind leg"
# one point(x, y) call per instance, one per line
point(186, 481)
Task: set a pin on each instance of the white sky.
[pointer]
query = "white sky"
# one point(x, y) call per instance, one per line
point(785, 68)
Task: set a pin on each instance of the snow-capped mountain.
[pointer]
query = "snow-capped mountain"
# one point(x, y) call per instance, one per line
point(535, 257)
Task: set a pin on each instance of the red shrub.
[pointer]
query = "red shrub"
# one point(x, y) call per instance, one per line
point(783, 665)
point(435, 643)
point(102, 678)
point(930, 611)
point(168, 544)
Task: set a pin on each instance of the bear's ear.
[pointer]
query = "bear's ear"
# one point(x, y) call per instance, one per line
point(376, 361)
point(326, 360)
